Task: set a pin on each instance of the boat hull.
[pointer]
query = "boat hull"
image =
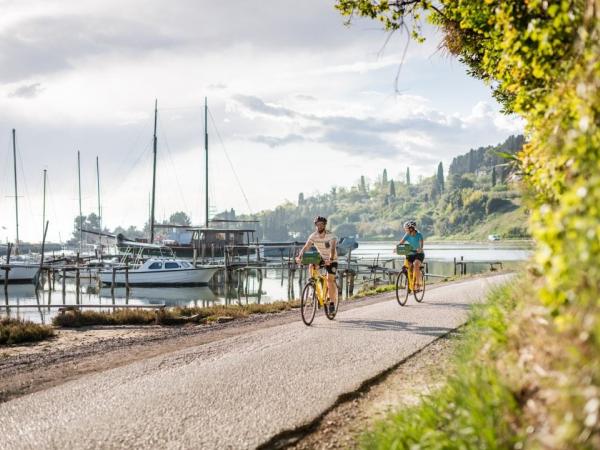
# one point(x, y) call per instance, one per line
point(20, 273)
point(180, 277)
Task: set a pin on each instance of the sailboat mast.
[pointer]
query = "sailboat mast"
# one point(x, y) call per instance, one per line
point(98, 182)
point(80, 214)
point(206, 156)
point(44, 205)
point(16, 190)
point(153, 176)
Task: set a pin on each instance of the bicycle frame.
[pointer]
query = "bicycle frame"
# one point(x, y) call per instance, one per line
point(410, 273)
point(321, 286)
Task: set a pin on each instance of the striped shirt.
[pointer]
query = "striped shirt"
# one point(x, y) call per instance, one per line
point(323, 244)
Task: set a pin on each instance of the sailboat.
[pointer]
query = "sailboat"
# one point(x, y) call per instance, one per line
point(21, 269)
point(160, 271)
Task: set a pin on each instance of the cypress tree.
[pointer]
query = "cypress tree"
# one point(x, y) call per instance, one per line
point(408, 176)
point(440, 177)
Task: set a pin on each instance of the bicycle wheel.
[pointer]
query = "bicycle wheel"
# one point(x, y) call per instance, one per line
point(402, 288)
point(308, 303)
point(420, 294)
point(331, 314)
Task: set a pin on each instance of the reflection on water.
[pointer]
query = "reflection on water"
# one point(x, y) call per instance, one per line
point(245, 287)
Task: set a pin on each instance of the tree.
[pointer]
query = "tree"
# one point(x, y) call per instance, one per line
point(363, 185)
point(392, 189)
point(494, 176)
point(408, 176)
point(384, 179)
point(440, 177)
point(300, 199)
point(180, 218)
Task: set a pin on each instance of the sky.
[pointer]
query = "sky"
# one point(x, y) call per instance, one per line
point(298, 102)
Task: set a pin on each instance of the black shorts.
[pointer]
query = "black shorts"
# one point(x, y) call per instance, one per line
point(419, 256)
point(331, 268)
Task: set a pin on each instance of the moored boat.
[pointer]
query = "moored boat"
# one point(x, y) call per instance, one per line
point(161, 272)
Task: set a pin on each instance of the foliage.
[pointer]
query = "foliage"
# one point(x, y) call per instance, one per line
point(16, 331)
point(180, 218)
point(542, 60)
point(377, 210)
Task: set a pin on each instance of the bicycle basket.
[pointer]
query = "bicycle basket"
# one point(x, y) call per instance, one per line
point(403, 249)
point(311, 258)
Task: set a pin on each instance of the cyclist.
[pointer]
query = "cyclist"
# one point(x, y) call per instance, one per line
point(416, 256)
point(326, 244)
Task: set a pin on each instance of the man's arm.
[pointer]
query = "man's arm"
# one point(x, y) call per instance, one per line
point(333, 250)
point(303, 249)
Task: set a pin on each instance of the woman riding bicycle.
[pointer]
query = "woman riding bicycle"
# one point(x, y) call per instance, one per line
point(325, 243)
point(415, 239)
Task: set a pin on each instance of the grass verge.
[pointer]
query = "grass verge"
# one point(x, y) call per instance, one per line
point(476, 408)
point(75, 318)
point(17, 331)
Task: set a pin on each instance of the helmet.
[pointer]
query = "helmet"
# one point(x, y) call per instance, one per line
point(321, 219)
point(410, 224)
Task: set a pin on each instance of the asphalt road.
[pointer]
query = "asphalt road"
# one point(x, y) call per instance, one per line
point(238, 392)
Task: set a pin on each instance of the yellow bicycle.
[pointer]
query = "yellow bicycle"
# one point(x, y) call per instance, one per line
point(406, 279)
point(316, 293)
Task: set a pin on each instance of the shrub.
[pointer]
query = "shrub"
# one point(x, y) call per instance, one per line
point(15, 331)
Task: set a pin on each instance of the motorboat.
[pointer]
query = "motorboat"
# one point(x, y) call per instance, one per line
point(160, 272)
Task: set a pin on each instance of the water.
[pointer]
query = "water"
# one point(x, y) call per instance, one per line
point(272, 286)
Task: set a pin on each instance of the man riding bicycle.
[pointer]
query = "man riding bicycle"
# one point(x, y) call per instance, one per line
point(415, 239)
point(326, 244)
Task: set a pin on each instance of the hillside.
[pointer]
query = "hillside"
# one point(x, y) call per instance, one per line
point(477, 197)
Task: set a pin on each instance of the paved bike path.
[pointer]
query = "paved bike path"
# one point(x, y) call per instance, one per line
point(238, 392)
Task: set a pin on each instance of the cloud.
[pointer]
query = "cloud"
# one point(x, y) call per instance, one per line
point(275, 141)
point(425, 135)
point(256, 105)
point(27, 91)
point(48, 44)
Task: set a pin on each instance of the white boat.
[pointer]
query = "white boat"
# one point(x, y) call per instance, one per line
point(161, 272)
point(20, 272)
point(493, 237)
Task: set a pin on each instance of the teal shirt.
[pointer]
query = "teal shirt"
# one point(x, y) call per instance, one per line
point(414, 241)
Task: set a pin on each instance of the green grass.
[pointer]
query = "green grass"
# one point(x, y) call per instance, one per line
point(16, 331)
point(374, 291)
point(75, 318)
point(475, 409)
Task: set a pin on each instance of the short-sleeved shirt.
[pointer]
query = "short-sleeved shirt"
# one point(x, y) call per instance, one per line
point(323, 244)
point(414, 241)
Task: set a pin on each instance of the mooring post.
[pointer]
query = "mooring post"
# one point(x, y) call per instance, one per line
point(195, 252)
point(77, 281)
point(455, 266)
point(127, 277)
point(64, 285)
point(114, 275)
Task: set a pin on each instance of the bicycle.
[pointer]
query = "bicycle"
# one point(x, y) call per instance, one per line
point(315, 291)
point(405, 280)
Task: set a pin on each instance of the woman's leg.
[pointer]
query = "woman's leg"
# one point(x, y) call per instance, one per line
point(417, 274)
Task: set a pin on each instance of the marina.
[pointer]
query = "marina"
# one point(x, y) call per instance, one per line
point(371, 264)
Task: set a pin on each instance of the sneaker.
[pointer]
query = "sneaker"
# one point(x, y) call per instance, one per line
point(331, 308)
